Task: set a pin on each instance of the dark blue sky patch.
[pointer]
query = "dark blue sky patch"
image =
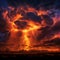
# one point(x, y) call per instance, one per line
point(3, 3)
point(4, 36)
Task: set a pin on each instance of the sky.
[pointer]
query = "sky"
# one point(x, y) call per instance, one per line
point(3, 3)
point(34, 3)
point(33, 16)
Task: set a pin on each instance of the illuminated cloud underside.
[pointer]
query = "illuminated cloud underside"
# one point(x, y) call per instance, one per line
point(31, 29)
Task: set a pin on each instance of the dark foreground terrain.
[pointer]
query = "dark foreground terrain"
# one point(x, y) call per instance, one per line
point(30, 54)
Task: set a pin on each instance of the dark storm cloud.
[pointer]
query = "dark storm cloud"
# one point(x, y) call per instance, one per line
point(32, 16)
point(49, 32)
point(56, 27)
point(53, 42)
point(2, 21)
point(48, 19)
point(4, 33)
point(21, 24)
point(46, 31)
point(43, 34)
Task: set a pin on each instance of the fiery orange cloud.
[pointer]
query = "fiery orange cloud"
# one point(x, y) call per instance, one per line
point(26, 38)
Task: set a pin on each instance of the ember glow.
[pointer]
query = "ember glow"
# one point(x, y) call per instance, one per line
point(31, 29)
